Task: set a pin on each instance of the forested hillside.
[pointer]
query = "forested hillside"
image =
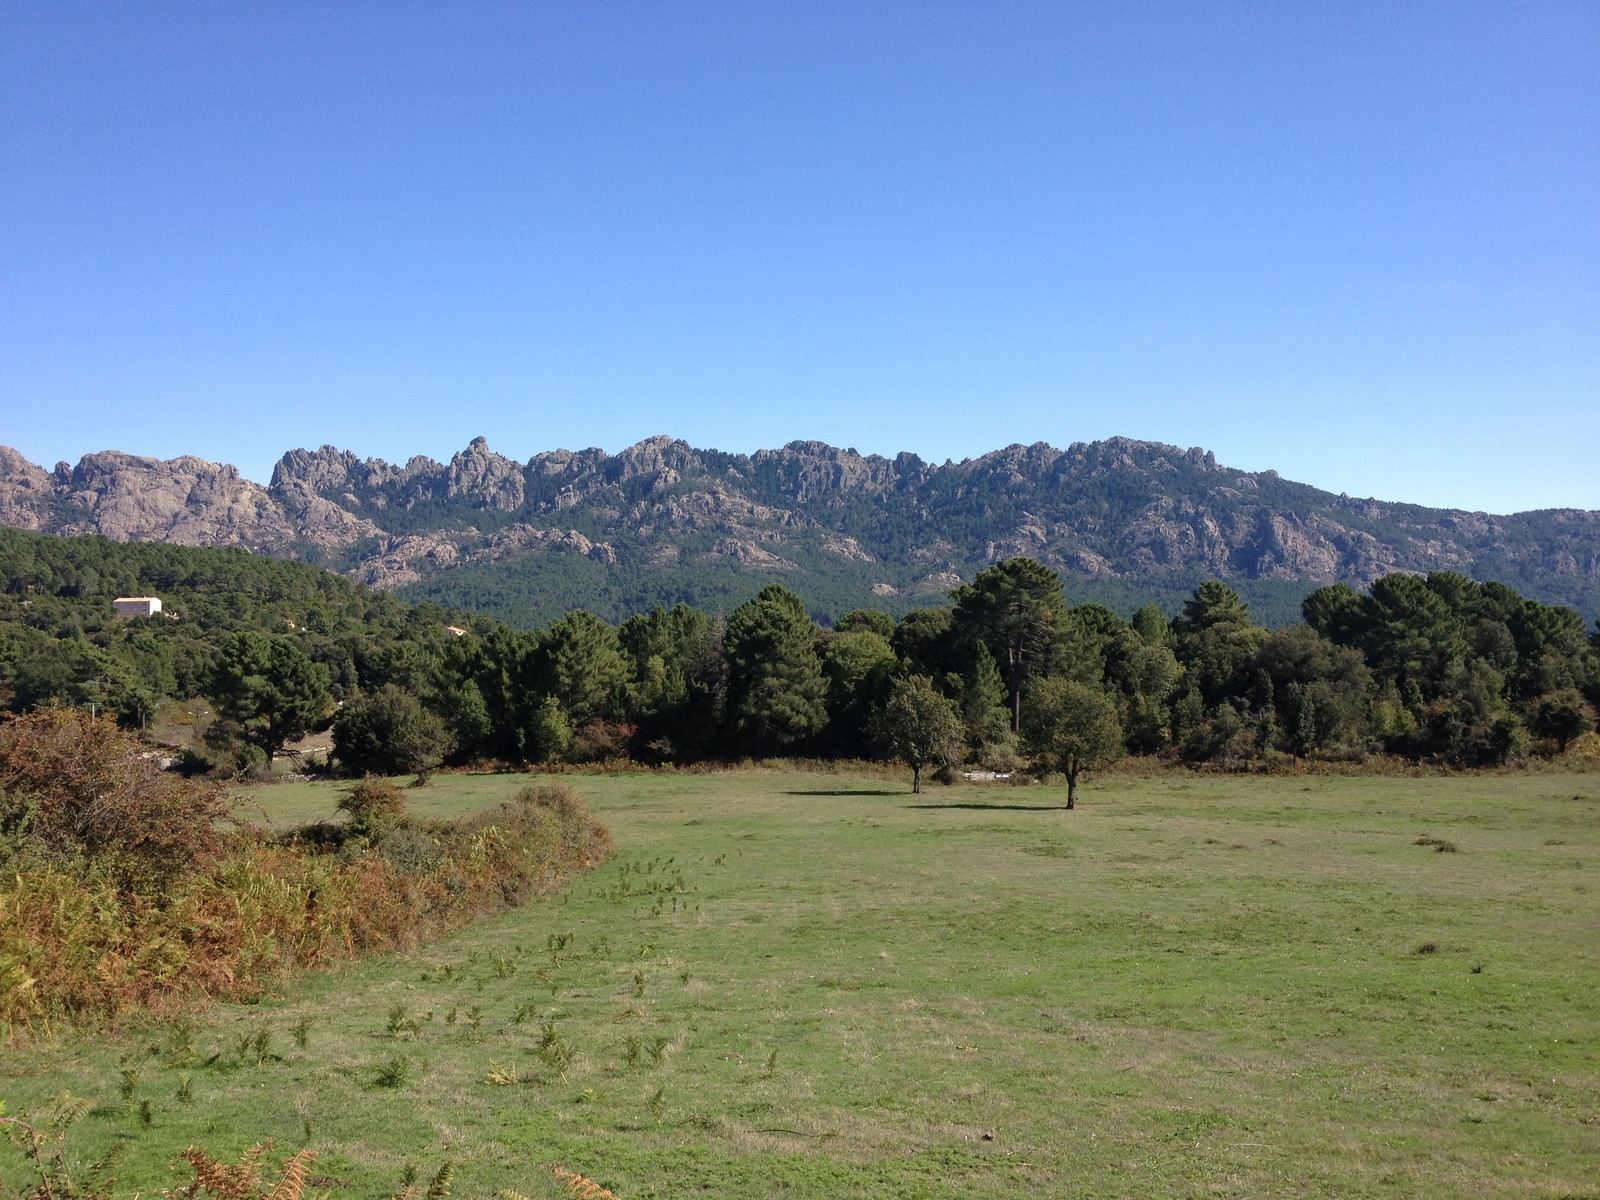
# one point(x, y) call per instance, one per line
point(1002, 672)
point(1121, 521)
point(60, 641)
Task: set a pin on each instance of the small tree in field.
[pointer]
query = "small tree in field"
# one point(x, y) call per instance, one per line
point(1073, 727)
point(1560, 717)
point(389, 733)
point(921, 726)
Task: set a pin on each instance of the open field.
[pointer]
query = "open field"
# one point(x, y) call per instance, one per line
point(820, 985)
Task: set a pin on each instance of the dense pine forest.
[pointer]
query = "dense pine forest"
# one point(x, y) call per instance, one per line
point(1006, 674)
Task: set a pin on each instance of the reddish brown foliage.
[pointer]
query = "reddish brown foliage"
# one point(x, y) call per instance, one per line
point(223, 1182)
point(580, 1187)
point(77, 786)
point(266, 911)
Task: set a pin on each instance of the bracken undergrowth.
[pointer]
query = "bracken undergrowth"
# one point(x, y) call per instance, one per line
point(78, 945)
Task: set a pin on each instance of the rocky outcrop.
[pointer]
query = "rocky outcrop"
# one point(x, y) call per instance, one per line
point(485, 478)
point(1113, 510)
point(749, 554)
point(27, 492)
point(187, 501)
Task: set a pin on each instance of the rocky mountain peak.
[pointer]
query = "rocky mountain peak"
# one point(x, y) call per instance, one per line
point(1136, 512)
point(485, 477)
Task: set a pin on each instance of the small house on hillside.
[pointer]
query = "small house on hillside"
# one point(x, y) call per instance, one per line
point(136, 606)
point(455, 631)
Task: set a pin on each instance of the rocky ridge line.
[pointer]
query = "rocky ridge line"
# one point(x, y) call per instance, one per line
point(1117, 509)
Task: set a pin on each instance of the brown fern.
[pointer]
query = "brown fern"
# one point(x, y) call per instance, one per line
point(580, 1187)
point(439, 1187)
point(220, 1181)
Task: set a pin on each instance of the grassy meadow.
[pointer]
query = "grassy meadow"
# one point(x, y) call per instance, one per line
point(819, 985)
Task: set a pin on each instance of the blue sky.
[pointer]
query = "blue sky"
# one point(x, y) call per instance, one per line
point(1356, 243)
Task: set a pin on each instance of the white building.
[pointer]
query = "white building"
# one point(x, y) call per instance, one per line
point(136, 606)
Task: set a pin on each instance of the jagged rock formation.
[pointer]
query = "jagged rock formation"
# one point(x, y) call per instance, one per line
point(662, 514)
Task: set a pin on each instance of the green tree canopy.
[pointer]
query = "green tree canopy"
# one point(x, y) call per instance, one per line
point(1071, 726)
point(1013, 607)
point(388, 732)
point(859, 666)
point(1150, 625)
point(920, 726)
point(869, 620)
point(267, 687)
point(579, 662)
point(776, 690)
point(1318, 690)
point(1217, 643)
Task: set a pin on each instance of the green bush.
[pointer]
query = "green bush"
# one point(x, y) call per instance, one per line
point(389, 733)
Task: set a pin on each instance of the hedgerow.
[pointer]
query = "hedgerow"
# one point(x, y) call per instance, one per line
point(90, 929)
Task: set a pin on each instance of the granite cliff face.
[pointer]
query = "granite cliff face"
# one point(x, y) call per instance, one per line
point(665, 517)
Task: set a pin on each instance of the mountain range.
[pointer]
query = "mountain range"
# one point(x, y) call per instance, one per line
point(1124, 522)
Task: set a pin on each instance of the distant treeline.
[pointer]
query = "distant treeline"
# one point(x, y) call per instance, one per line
point(1437, 667)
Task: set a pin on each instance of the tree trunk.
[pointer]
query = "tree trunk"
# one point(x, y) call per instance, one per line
point(1014, 683)
point(1072, 787)
point(916, 779)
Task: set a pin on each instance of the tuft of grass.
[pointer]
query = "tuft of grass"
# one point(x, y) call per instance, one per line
point(253, 1049)
point(1439, 844)
point(502, 1074)
point(1428, 948)
point(301, 1031)
point(185, 1093)
point(557, 1054)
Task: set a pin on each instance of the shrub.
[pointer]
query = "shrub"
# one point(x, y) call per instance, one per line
point(374, 807)
point(389, 733)
point(221, 1181)
point(75, 788)
point(1507, 742)
point(411, 852)
point(74, 945)
point(549, 732)
point(600, 741)
point(1560, 717)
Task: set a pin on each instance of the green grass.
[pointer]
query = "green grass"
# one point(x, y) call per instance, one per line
point(1190, 986)
point(285, 805)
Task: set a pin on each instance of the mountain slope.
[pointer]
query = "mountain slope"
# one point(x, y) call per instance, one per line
point(661, 521)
